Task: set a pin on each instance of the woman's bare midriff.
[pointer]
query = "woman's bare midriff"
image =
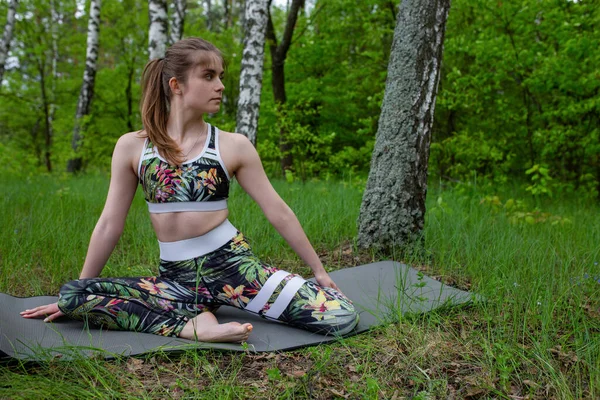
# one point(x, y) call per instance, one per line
point(171, 227)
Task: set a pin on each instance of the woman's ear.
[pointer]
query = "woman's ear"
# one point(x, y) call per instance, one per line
point(174, 85)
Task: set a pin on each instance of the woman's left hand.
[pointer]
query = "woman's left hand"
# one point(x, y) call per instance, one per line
point(325, 280)
point(49, 312)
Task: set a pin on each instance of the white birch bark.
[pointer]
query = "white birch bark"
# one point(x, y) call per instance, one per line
point(7, 35)
point(177, 21)
point(87, 87)
point(252, 68)
point(157, 32)
point(393, 207)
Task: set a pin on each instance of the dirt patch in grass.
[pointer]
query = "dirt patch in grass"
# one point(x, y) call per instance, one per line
point(345, 255)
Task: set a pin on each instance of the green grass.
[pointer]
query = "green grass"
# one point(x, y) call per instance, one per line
point(537, 333)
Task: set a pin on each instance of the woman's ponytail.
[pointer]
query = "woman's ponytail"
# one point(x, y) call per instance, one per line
point(155, 110)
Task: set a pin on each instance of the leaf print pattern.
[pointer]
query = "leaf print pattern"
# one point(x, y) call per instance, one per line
point(231, 275)
point(209, 180)
point(152, 287)
point(203, 179)
point(321, 305)
point(235, 296)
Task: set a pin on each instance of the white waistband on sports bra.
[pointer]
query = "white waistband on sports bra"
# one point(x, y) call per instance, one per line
point(181, 206)
point(198, 246)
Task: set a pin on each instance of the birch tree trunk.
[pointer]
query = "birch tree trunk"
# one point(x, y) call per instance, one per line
point(252, 68)
point(157, 33)
point(7, 36)
point(393, 206)
point(87, 88)
point(177, 21)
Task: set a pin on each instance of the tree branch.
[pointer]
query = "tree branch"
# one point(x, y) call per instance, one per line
point(292, 17)
point(314, 16)
point(270, 34)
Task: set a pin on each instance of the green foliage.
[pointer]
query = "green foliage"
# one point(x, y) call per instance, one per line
point(518, 212)
point(36, 103)
point(274, 374)
point(519, 88)
point(335, 79)
point(540, 181)
point(114, 108)
point(309, 150)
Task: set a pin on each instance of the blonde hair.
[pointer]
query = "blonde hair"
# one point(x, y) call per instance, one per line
point(156, 93)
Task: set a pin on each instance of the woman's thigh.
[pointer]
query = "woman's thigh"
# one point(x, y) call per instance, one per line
point(235, 276)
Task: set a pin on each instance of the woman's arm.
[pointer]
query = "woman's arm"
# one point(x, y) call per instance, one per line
point(123, 183)
point(251, 176)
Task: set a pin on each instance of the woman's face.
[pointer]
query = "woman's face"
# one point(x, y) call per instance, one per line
point(203, 90)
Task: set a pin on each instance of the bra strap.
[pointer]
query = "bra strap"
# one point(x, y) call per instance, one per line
point(213, 136)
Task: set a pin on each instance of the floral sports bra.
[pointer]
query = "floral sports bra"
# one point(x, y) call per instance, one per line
point(200, 184)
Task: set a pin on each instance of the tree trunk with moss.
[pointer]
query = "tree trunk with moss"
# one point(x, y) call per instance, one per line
point(392, 213)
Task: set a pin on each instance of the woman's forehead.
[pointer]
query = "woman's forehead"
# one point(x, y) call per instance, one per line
point(207, 60)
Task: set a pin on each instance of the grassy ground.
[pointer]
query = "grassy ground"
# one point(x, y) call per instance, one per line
point(536, 336)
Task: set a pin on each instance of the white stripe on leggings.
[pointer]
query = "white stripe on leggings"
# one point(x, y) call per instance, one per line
point(265, 293)
point(285, 297)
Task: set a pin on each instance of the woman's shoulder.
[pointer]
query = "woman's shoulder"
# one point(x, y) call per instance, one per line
point(134, 137)
point(128, 148)
point(232, 139)
point(131, 141)
point(236, 149)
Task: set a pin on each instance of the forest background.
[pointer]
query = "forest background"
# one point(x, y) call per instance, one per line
point(516, 120)
point(519, 95)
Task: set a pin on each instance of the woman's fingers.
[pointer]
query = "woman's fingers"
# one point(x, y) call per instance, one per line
point(33, 312)
point(52, 317)
point(333, 285)
point(30, 310)
point(49, 311)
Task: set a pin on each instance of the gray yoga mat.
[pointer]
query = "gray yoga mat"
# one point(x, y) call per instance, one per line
point(379, 291)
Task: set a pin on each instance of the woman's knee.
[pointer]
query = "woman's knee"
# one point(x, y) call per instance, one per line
point(343, 323)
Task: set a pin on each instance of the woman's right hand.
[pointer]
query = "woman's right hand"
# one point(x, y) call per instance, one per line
point(49, 311)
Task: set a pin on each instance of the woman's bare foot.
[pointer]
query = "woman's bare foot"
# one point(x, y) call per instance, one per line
point(205, 328)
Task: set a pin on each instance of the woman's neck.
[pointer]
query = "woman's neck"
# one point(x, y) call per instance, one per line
point(180, 126)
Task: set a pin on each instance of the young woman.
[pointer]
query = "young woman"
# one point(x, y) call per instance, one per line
point(184, 166)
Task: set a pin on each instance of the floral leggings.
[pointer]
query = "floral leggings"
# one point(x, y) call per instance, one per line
point(231, 275)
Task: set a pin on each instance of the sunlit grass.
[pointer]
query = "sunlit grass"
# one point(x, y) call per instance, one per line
point(537, 332)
